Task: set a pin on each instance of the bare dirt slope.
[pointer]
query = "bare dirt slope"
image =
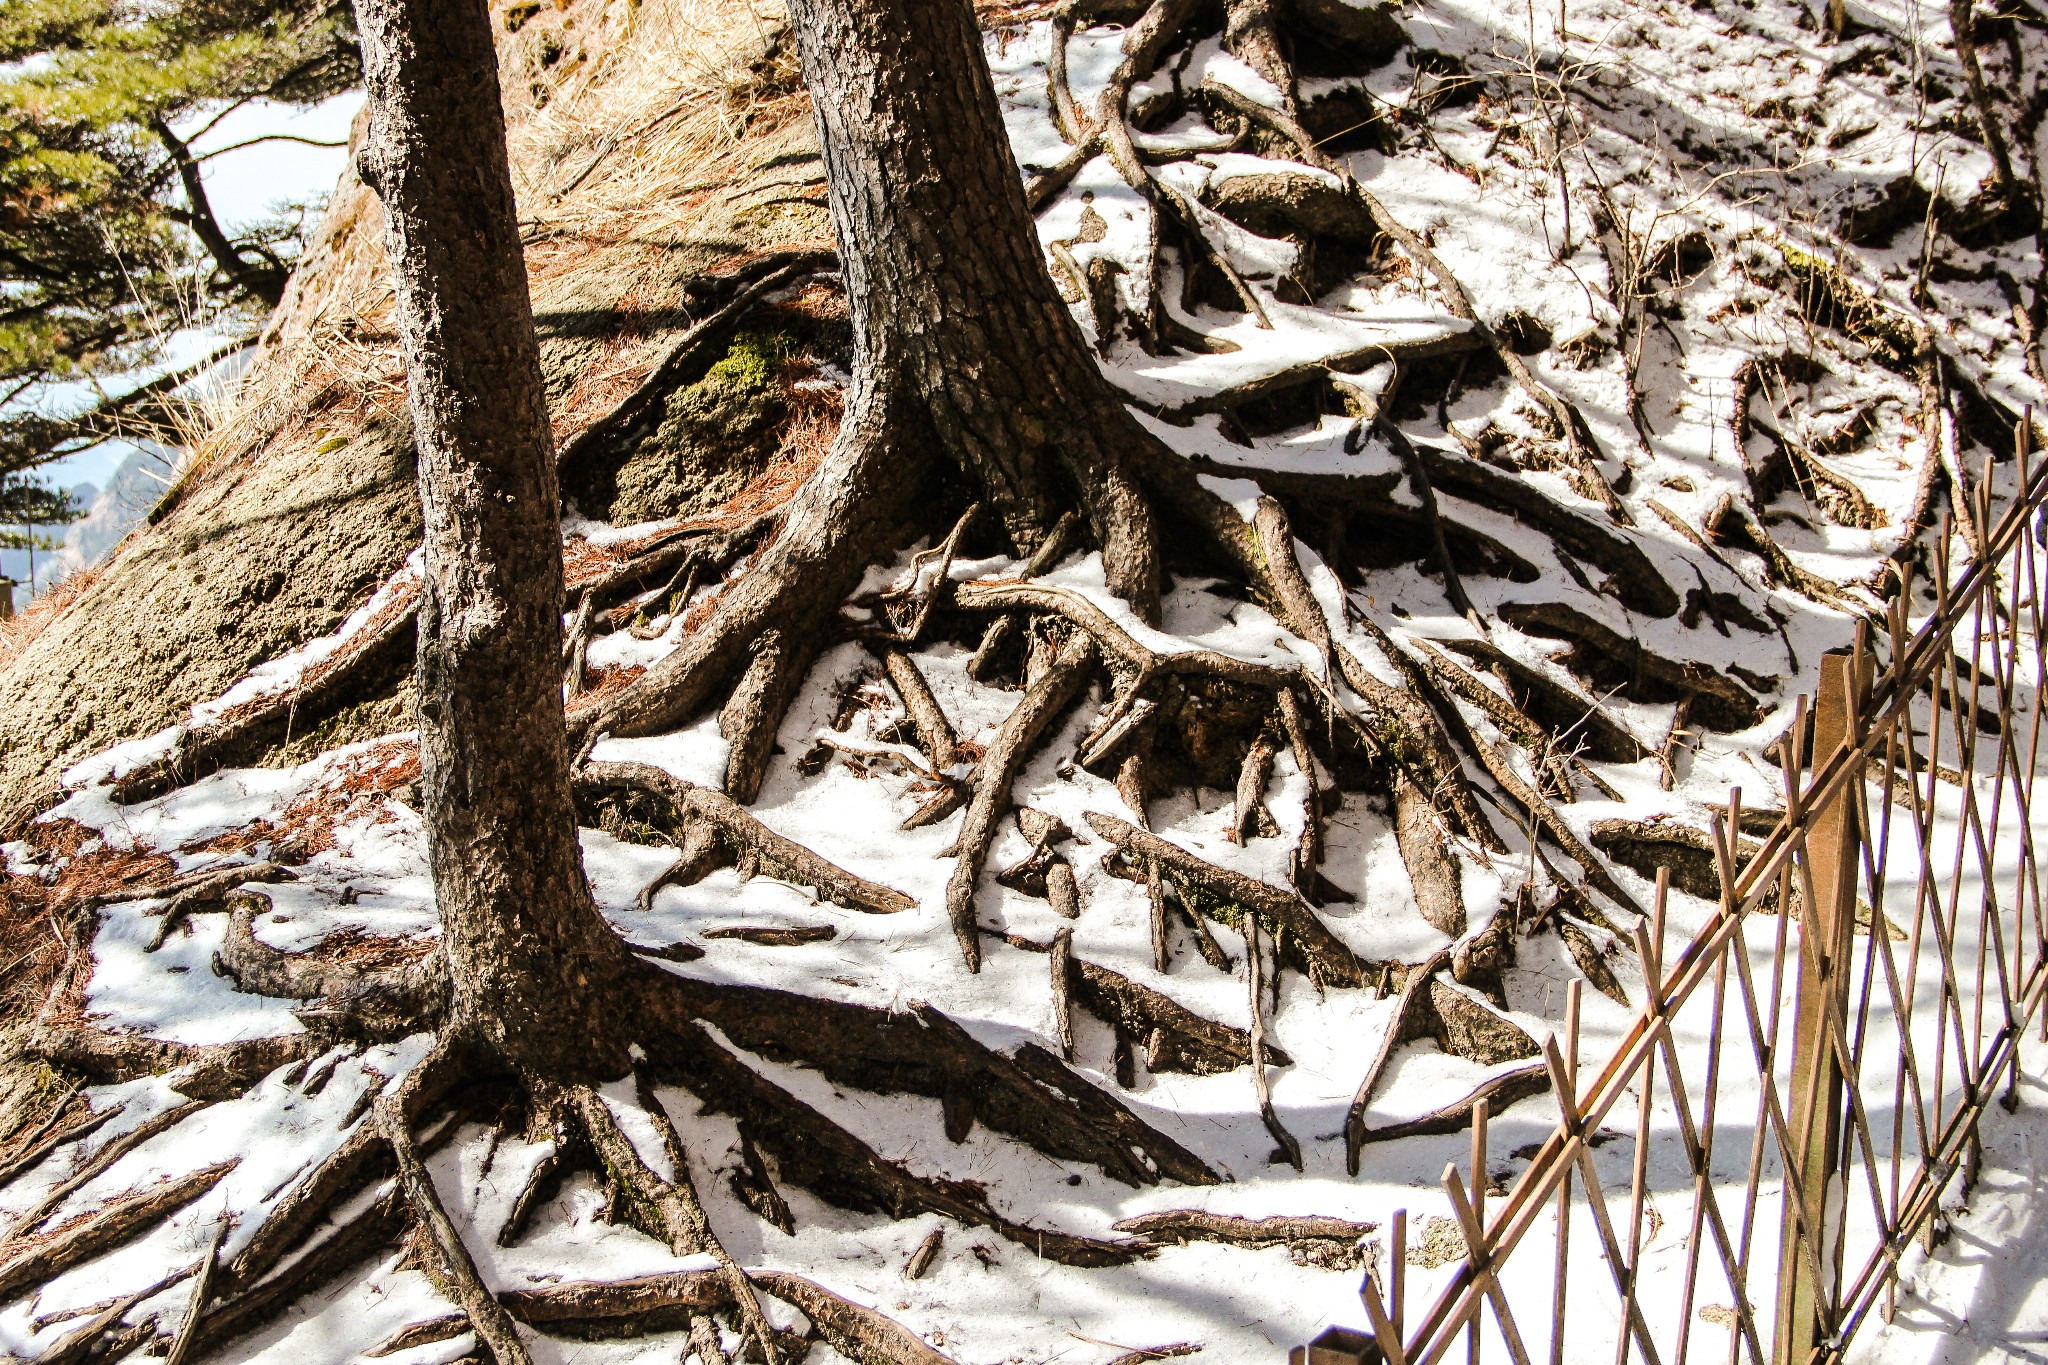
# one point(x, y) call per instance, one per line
point(294, 510)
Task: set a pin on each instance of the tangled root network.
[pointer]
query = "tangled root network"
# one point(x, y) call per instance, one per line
point(1025, 973)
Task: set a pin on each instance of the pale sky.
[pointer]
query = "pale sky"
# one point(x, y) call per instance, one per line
point(242, 184)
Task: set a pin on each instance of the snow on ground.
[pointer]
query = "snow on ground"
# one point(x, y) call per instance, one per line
point(1673, 109)
point(1981, 1296)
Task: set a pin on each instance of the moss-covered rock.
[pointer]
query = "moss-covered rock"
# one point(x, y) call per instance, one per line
point(713, 436)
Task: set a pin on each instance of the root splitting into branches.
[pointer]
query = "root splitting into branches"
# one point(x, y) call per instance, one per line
point(1391, 716)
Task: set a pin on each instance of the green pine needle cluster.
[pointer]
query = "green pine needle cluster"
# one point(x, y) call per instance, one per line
point(108, 245)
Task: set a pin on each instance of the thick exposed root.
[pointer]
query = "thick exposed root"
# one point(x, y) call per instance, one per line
point(837, 522)
point(686, 807)
point(1610, 661)
point(1226, 896)
point(1175, 1038)
point(1555, 766)
point(1331, 1243)
point(934, 732)
point(375, 1004)
point(1400, 1028)
point(600, 1309)
point(590, 1309)
point(94, 1234)
point(1429, 1007)
point(756, 707)
point(1116, 643)
point(457, 1269)
point(365, 1233)
point(670, 1211)
point(837, 1166)
point(1062, 677)
point(1432, 873)
point(1499, 1092)
point(859, 1334)
point(215, 1071)
point(370, 664)
point(922, 1052)
point(210, 890)
point(1569, 719)
point(100, 1161)
point(53, 1133)
point(362, 1159)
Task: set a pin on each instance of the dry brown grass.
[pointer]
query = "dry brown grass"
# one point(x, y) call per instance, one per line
point(650, 130)
point(40, 923)
point(307, 826)
point(370, 952)
point(19, 632)
point(604, 682)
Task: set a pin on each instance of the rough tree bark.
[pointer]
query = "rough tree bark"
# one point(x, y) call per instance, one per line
point(972, 384)
point(966, 361)
point(525, 946)
point(952, 306)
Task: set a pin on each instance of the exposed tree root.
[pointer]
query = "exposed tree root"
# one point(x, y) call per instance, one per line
point(1249, 815)
point(100, 1161)
point(1331, 1243)
point(1048, 695)
point(669, 1210)
point(1429, 1007)
point(1399, 1029)
point(376, 1005)
point(457, 1269)
point(1591, 962)
point(76, 1345)
point(934, 732)
point(922, 1052)
point(212, 1072)
point(684, 805)
point(1226, 896)
point(590, 1309)
point(369, 665)
point(1116, 643)
point(1499, 1092)
point(858, 1333)
point(210, 889)
point(357, 1237)
point(1175, 1037)
point(46, 1256)
point(598, 1309)
point(49, 1136)
point(1599, 654)
point(1554, 767)
point(1289, 1149)
point(841, 1169)
point(1566, 718)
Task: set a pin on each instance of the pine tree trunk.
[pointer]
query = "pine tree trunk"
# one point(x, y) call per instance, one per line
point(526, 947)
point(952, 305)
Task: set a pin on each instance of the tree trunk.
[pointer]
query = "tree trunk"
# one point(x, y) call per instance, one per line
point(525, 945)
point(952, 305)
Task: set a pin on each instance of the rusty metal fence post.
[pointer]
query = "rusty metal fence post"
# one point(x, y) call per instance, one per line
point(1828, 923)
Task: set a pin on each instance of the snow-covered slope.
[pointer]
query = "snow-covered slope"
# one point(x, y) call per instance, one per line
point(1770, 328)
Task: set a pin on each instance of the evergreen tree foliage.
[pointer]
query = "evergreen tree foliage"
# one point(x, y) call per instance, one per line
point(108, 244)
